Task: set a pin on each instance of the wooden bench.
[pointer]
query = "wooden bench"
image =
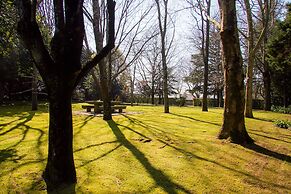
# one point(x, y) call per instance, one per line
point(118, 107)
point(88, 107)
point(99, 109)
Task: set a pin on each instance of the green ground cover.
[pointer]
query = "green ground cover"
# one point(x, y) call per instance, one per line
point(148, 152)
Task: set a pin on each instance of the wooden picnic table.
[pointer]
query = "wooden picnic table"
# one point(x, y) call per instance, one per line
point(98, 106)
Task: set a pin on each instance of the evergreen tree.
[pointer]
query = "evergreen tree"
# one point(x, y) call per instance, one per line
point(279, 57)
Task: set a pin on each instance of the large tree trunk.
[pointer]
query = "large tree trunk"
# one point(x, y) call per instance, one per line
point(233, 118)
point(60, 168)
point(61, 70)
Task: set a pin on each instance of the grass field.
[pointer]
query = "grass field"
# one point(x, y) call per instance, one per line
point(148, 152)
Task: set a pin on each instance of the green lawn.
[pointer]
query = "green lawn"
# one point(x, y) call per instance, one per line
point(148, 152)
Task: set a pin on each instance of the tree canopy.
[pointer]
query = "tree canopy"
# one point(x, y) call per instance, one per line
point(279, 57)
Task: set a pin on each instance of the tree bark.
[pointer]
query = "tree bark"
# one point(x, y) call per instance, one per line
point(233, 127)
point(267, 87)
point(163, 31)
point(251, 60)
point(132, 86)
point(206, 59)
point(266, 71)
point(61, 71)
point(105, 91)
point(221, 97)
point(34, 103)
point(153, 89)
point(60, 168)
point(104, 76)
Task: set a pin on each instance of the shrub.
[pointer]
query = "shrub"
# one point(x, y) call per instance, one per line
point(282, 124)
point(280, 109)
point(181, 101)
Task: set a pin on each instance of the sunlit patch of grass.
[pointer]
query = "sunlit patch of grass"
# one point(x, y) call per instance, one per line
point(148, 152)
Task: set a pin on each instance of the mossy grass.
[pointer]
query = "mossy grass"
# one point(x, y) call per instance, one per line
point(148, 152)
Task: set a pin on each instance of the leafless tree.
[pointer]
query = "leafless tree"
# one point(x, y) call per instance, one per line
point(233, 118)
point(59, 65)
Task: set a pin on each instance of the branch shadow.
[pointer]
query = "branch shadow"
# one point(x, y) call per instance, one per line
point(27, 119)
point(267, 152)
point(160, 178)
point(198, 120)
point(154, 130)
point(191, 155)
point(9, 155)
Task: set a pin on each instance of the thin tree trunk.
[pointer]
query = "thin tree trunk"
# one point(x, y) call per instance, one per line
point(105, 92)
point(233, 118)
point(218, 98)
point(132, 86)
point(34, 103)
point(221, 97)
point(251, 60)
point(163, 31)
point(267, 86)
point(266, 71)
point(206, 59)
point(153, 90)
point(104, 79)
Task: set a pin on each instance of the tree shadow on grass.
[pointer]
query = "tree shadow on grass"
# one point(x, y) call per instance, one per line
point(282, 135)
point(250, 176)
point(267, 152)
point(27, 119)
point(262, 119)
point(198, 120)
point(154, 130)
point(189, 155)
point(268, 137)
point(9, 155)
point(159, 176)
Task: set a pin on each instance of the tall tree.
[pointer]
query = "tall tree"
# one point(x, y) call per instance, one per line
point(201, 15)
point(129, 40)
point(268, 14)
point(163, 20)
point(279, 58)
point(251, 60)
point(61, 70)
point(252, 48)
point(233, 118)
point(102, 65)
point(206, 59)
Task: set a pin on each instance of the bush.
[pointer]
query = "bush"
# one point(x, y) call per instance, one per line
point(181, 101)
point(282, 124)
point(210, 102)
point(281, 109)
point(258, 104)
